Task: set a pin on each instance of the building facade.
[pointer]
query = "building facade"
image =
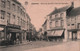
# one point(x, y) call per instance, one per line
point(73, 24)
point(57, 23)
point(14, 21)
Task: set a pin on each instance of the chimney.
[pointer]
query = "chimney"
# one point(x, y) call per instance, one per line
point(72, 4)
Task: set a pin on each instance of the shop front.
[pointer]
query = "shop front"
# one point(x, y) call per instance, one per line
point(72, 34)
point(14, 34)
point(2, 33)
point(56, 35)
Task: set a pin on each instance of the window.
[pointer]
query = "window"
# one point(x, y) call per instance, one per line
point(24, 14)
point(8, 17)
point(62, 23)
point(8, 4)
point(2, 14)
point(72, 24)
point(13, 16)
point(13, 19)
point(56, 23)
point(18, 20)
point(56, 15)
point(61, 15)
point(17, 9)
point(21, 11)
point(73, 19)
point(68, 24)
point(68, 20)
point(3, 3)
point(13, 5)
point(50, 17)
point(21, 22)
point(50, 24)
point(79, 25)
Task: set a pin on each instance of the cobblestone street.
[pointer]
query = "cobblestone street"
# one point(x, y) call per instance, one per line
point(41, 45)
point(68, 46)
point(29, 45)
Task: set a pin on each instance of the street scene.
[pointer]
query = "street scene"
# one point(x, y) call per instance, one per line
point(39, 25)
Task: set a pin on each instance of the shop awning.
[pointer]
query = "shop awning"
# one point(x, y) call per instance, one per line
point(58, 32)
point(50, 33)
point(1, 28)
point(14, 30)
point(55, 33)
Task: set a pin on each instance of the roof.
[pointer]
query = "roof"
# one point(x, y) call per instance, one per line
point(28, 16)
point(44, 23)
point(74, 12)
point(17, 2)
point(59, 10)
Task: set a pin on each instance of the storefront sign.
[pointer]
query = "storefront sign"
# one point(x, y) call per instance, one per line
point(12, 25)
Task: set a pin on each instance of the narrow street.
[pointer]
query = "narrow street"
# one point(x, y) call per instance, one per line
point(47, 46)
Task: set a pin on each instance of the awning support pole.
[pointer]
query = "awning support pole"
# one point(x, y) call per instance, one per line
point(5, 32)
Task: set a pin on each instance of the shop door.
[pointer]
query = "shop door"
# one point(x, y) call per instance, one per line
point(74, 35)
point(13, 36)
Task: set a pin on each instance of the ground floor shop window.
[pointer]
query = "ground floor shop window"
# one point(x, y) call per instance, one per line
point(70, 35)
point(1, 35)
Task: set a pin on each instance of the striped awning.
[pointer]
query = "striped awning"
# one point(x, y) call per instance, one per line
point(55, 33)
point(58, 33)
point(50, 33)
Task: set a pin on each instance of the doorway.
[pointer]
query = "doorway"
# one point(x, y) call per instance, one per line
point(74, 35)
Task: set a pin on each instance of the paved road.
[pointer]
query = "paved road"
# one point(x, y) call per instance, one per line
point(31, 45)
point(69, 46)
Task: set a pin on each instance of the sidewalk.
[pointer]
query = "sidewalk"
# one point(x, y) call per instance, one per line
point(24, 43)
point(68, 46)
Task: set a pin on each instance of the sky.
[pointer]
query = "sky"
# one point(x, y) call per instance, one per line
point(39, 9)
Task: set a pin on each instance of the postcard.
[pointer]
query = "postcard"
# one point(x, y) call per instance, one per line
point(39, 25)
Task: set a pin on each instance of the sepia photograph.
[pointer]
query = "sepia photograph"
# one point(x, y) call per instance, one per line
point(39, 25)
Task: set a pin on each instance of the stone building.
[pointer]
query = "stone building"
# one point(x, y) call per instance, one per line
point(14, 21)
point(73, 24)
point(57, 23)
